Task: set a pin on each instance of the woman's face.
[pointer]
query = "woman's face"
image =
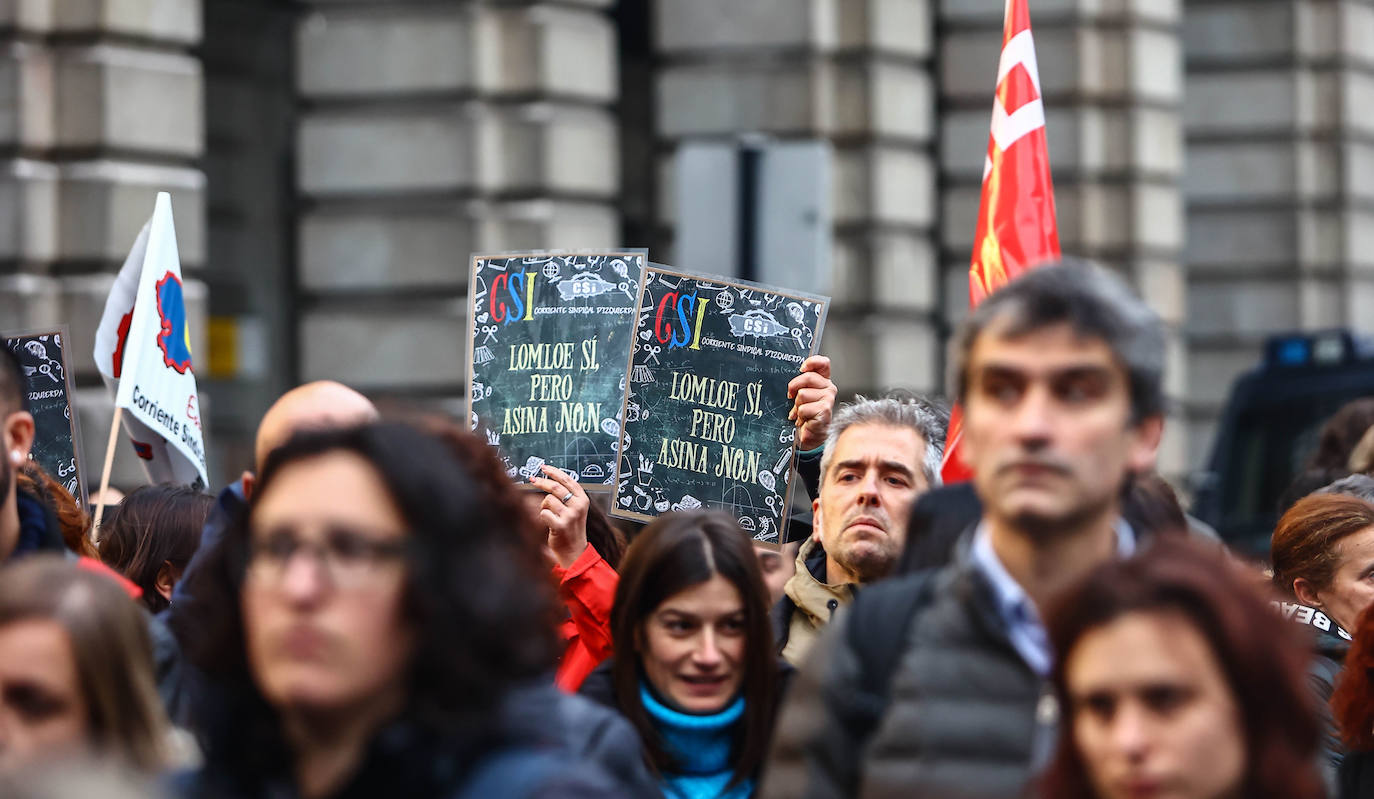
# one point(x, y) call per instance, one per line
point(1152, 713)
point(693, 646)
point(323, 592)
point(1352, 586)
point(42, 707)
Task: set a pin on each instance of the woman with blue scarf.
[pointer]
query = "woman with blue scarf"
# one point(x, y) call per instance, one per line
point(694, 670)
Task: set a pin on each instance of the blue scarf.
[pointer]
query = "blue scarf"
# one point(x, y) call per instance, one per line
point(701, 746)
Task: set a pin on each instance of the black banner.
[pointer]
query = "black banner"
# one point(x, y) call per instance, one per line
point(48, 390)
point(705, 417)
point(547, 346)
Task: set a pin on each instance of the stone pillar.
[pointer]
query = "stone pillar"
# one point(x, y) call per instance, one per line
point(1279, 183)
point(858, 74)
point(101, 109)
point(427, 132)
point(250, 114)
point(1111, 78)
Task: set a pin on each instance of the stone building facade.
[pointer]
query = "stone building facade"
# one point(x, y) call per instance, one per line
point(334, 162)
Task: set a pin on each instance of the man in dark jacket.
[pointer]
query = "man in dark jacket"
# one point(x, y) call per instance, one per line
point(26, 524)
point(935, 684)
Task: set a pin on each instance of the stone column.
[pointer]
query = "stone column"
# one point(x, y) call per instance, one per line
point(101, 109)
point(856, 73)
point(250, 114)
point(427, 132)
point(1279, 183)
point(1111, 79)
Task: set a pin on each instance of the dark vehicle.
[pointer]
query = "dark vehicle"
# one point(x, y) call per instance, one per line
point(1269, 429)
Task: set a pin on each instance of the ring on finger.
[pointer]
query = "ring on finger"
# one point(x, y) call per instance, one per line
point(566, 497)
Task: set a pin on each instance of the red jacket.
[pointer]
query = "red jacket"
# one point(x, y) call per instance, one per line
point(588, 590)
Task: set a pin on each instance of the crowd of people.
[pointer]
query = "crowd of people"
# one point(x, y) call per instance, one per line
point(377, 609)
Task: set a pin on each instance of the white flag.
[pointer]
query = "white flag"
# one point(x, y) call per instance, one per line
point(143, 349)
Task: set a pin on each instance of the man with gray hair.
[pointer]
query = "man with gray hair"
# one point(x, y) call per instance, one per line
point(880, 455)
point(937, 683)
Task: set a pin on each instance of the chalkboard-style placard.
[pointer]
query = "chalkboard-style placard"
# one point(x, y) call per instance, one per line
point(547, 345)
point(56, 437)
point(706, 404)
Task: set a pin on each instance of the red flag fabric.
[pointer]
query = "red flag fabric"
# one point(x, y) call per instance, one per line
point(1016, 223)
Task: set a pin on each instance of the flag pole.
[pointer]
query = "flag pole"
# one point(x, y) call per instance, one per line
point(105, 472)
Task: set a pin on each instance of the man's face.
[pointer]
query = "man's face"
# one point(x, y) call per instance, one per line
point(873, 477)
point(1047, 428)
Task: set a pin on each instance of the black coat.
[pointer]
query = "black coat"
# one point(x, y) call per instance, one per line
point(1357, 776)
point(1329, 645)
point(541, 744)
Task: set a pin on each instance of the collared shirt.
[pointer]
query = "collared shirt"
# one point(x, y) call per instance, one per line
point(1025, 628)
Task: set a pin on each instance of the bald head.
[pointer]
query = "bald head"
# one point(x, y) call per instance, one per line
point(320, 405)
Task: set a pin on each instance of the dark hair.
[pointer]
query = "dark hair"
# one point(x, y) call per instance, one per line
point(110, 646)
point(154, 525)
point(1341, 433)
point(488, 474)
point(605, 538)
point(71, 517)
point(505, 497)
point(674, 553)
point(478, 592)
point(1306, 483)
point(1261, 657)
point(1095, 303)
point(1151, 506)
point(1352, 703)
point(1304, 542)
point(13, 396)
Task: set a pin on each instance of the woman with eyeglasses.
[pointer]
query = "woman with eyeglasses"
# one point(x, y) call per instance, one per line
point(363, 622)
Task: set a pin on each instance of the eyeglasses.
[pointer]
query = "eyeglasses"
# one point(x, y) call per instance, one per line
point(348, 558)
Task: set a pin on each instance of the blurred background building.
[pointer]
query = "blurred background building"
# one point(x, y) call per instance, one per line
point(334, 162)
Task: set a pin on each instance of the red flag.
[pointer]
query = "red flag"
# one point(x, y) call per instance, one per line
point(1016, 227)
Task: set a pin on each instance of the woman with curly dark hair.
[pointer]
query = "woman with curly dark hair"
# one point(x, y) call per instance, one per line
point(1176, 679)
point(580, 543)
point(363, 622)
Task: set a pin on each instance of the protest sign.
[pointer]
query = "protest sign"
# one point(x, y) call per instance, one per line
point(547, 346)
point(48, 390)
point(706, 402)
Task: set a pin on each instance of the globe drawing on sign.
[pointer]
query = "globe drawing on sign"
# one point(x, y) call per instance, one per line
point(551, 270)
point(739, 500)
point(175, 338)
point(581, 451)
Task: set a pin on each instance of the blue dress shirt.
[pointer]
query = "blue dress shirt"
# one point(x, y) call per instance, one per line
point(1022, 619)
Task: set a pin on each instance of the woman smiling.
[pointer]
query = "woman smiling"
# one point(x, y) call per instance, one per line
point(694, 669)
